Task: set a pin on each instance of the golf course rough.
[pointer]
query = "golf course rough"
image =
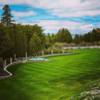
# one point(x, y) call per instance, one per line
point(57, 79)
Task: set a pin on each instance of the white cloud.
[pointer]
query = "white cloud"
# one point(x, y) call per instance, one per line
point(63, 8)
point(70, 8)
point(75, 8)
point(61, 13)
point(23, 14)
point(53, 26)
point(13, 1)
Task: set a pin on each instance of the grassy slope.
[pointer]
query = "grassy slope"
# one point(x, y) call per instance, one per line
point(57, 79)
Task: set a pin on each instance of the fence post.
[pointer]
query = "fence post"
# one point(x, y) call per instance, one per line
point(10, 60)
point(5, 63)
point(26, 56)
point(42, 53)
point(15, 57)
point(63, 51)
point(51, 51)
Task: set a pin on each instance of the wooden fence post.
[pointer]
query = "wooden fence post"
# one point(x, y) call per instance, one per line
point(5, 63)
point(52, 52)
point(10, 60)
point(63, 51)
point(42, 53)
point(26, 55)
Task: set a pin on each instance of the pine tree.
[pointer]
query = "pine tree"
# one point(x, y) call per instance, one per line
point(64, 35)
point(6, 16)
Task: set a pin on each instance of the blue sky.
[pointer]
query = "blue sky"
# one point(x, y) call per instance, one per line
point(79, 16)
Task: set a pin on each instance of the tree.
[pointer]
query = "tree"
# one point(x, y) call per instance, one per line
point(35, 44)
point(77, 39)
point(31, 32)
point(19, 39)
point(63, 35)
point(5, 42)
point(2, 40)
point(6, 16)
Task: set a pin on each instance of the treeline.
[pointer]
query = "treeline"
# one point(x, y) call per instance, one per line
point(64, 36)
point(92, 37)
point(16, 39)
point(19, 39)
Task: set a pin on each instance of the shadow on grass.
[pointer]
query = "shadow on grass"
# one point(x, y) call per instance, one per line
point(10, 87)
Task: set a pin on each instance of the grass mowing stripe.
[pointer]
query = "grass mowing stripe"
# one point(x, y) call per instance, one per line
point(57, 79)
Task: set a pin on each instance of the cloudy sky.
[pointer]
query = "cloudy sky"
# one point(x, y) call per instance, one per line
point(78, 16)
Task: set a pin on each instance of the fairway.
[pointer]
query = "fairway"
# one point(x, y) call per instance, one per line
point(59, 78)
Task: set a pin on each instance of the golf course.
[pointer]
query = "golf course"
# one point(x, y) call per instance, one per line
point(59, 78)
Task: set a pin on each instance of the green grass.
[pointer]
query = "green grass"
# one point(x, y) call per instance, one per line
point(57, 79)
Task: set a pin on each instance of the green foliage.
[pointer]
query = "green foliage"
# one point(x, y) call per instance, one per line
point(5, 42)
point(90, 37)
point(19, 39)
point(36, 44)
point(63, 35)
point(77, 39)
point(6, 16)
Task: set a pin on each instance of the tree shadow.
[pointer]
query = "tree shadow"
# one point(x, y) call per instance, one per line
point(10, 88)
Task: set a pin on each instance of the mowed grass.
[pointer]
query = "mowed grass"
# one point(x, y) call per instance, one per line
point(57, 79)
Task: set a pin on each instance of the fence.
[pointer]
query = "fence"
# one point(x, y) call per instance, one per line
point(20, 60)
point(24, 59)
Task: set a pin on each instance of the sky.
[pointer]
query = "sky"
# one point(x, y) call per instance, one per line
point(79, 16)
